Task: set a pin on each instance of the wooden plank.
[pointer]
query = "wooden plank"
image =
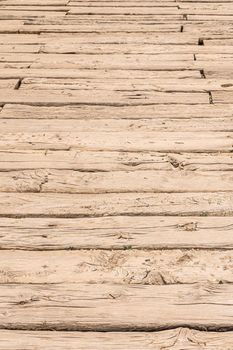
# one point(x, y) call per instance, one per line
point(108, 38)
point(184, 337)
point(79, 205)
point(137, 10)
point(68, 181)
point(131, 141)
point(118, 233)
point(117, 267)
point(222, 96)
point(4, 48)
point(113, 161)
point(64, 97)
point(114, 307)
point(116, 125)
point(122, 4)
point(164, 111)
point(132, 48)
point(8, 83)
point(178, 85)
point(97, 28)
point(98, 74)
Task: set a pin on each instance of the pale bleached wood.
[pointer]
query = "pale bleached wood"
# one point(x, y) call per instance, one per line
point(8, 83)
point(131, 141)
point(113, 161)
point(123, 4)
point(64, 97)
point(160, 267)
point(181, 337)
point(115, 307)
point(117, 233)
point(69, 181)
point(164, 111)
point(19, 48)
point(222, 96)
point(27, 13)
point(178, 85)
point(101, 28)
point(84, 205)
point(100, 73)
point(89, 10)
point(104, 38)
point(63, 48)
point(116, 125)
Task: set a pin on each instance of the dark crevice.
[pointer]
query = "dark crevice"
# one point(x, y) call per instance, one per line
point(18, 84)
point(200, 42)
point(210, 97)
point(108, 328)
point(203, 74)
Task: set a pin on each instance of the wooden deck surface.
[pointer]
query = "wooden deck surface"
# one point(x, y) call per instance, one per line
point(116, 175)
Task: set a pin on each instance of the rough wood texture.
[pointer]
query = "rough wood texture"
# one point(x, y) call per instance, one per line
point(113, 307)
point(173, 339)
point(116, 185)
point(118, 233)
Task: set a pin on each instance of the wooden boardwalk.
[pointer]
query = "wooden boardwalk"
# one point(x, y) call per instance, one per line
point(116, 175)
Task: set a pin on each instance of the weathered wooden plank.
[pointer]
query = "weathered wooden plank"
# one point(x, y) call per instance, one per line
point(35, 2)
point(134, 97)
point(113, 161)
point(137, 10)
point(8, 83)
point(171, 85)
point(108, 38)
point(183, 337)
point(4, 48)
point(101, 28)
point(98, 74)
point(25, 14)
point(122, 4)
point(222, 96)
point(84, 205)
point(69, 181)
point(125, 141)
point(117, 233)
point(117, 267)
point(132, 48)
point(115, 307)
point(164, 111)
point(116, 125)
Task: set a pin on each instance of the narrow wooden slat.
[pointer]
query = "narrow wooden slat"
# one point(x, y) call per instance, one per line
point(163, 111)
point(183, 337)
point(113, 161)
point(115, 125)
point(222, 96)
point(89, 10)
point(65, 97)
point(112, 307)
point(119, 233)
point(68, 181)
point(98, 74)
point(119, 267)
point(168, 85)
point(8, 83)
point(131, 141)
point(83, 205)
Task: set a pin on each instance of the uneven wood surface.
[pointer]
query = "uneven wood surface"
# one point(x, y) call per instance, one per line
point(116, 185)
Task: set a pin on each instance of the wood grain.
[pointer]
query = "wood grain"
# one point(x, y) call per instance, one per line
point(84, 205)
point(182, 337)
point(117, 233)
point(103, 307)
